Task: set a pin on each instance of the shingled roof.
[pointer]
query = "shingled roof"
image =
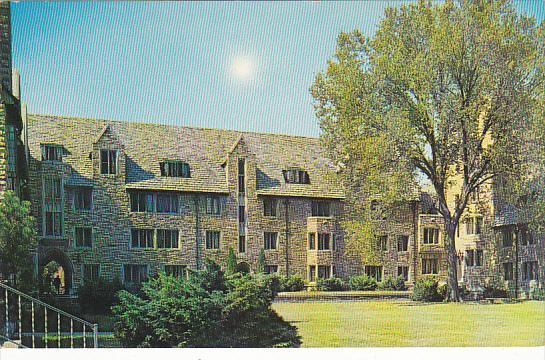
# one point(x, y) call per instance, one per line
point(147, 144)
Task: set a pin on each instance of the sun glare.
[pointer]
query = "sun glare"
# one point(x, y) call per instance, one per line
point(243, 68)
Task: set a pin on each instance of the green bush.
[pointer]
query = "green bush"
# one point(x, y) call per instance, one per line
point(205, 310)
point(362, 283)
point(426, 289)
point(331, 284)
point(390, 283)
point(97, 297)
point(292, 283)
point(492, 291)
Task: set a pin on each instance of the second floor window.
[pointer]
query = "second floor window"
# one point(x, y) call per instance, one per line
point(324, 241)
point(212, 240)
point(402, 243)
point(142, 202)
point(141, 238)
point(526, 237)
point(167, 239)
point(135, 273)
point(167, 203)
point(507, 237)
point(91, 272)
point(431, 236)
point(213, 205)
point(383, 242)
point(52, 153)
point(430, 266)
point(312, 241)
point(173, 168)
point(108, 162)
point(83, 198)
point(320, 208)
point(474, 225)
point(270, 239)
point(470, 258)
point(269, 207)
point(84, 237)
point(53, 198)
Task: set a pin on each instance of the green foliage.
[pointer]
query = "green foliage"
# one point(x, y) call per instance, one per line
point(205, 310)
point(426, 289)
point(292, 283)
point(331, 284)
point(495, 292)
point(17, 238)
point(231, 267)
point(390, 283)
point(260, 266)
point(98, 297)
point(362, 283)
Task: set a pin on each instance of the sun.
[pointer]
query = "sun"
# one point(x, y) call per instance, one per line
point(243, 68)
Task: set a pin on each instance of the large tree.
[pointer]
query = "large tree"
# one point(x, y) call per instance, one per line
point(440, 90)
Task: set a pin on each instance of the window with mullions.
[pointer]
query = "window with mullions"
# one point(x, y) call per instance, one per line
point(52, 152)
point(52, 199)
point(507, 237)
point(296, 176)
point(108, 162)
point(403, 271)
point(530, 270)
point(213, 205)
point(431, 236)
point(526, 237)
point(402, 243)
point(83, 198)
point(320, 208)
point(141, 238)
point(91, 272)
point(323, 241)
point(271, 269)
point(241, 176)
point(312, 241)
point(167, 203)
point(269, 207)
point(142, 201)
point(178, 271)
point(135, 273)
point(382, 242)
point(270, 240)
point(173, 168)
point(212, 240)
point(84, 237)
point(430, 266)
point(167, 239)
point(374, 272)
point(474, 225)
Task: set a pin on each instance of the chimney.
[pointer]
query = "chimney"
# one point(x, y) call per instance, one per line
point(16, 83)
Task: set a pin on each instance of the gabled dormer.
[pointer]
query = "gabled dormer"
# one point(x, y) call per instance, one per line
point(296, 175)
point(175, 168)
point(53, 152)
point(108, 155)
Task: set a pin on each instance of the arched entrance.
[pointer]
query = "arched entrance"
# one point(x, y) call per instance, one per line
point(243, 268)
point(57, 264)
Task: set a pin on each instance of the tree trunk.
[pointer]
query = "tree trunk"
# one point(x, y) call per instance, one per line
point(452, 261)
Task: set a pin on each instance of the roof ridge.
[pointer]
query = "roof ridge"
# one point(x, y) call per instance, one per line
point(143, 122)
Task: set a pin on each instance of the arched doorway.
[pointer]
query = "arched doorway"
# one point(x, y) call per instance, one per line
point(243, 268)
point(55, 263)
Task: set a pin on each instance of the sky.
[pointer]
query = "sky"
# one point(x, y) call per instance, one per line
point(233, 65)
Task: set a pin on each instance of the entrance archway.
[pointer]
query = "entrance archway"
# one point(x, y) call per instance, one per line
point(243, 268)
point(58, 264)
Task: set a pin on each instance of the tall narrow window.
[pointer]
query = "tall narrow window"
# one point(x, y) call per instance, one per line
point(383, 242)
point(479, 257)
point(212, 240)
point(403, 271)
point(311, 241)
point(241, 176)
point(213, 205)
point(242, 244)
point(83, 198)
point(507, 237)
point(53, 197)
point(270, 240)
point(402, 243)
point(108, 162)
point(470, 258)
point(269, 207)
point(312, 273)
point(508, 271)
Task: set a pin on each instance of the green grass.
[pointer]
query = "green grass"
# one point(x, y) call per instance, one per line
point(406, 323)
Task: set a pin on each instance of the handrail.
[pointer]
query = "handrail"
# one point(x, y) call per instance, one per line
point(12, 342)
point(62, 312)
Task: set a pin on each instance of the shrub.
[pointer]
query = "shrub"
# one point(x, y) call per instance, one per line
point(426, 289)
point(492, 291)
point(292, 283)
point(97, 297)
point(205, 310)
point(391, 283)
point(331, 284)
point(362, 283)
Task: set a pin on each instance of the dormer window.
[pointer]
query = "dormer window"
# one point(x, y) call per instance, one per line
point(296, 176)
point(108, 162)
point(52, 152)
point(175, 169)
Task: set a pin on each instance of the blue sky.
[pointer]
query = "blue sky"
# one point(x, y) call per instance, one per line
point(240, 65)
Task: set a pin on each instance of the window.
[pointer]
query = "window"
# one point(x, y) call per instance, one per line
point(508, 271)
point(270, 240)
point(312, 241)
point(431, 236)
point(296, 176)
point(430, 266)
point(84, 237)
point(334, 242)
point(213, 205)
point(507, 237)
point(167, 239)
point(142, 202)
point(271, 269)
point(526, 237)
point(141, 238)
point(53, 199)
point(312, 273)
point(177, 271)
point(474, 225)
point(83, 198)
point(324, 271)
point(172, 168)
point(134, 274)
point(52, 153)
point(11, 149)
point(212, 239)
point(529, 270)
point(374, 271)
point(323, 241)
point(108, 162)
point(91, 272)
point(269, 207)
point(479, 257)
point(402, 243)
point(320, 208)
point(382, 242)
point(242, 244)
point(241, 214)
point(241, 176)
point(470, 258)
point(167, 203)
point(403, 271)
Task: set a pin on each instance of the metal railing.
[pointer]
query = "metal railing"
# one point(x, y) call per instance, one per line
point(32, 323)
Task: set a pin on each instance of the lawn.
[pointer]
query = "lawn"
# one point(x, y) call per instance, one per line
point(405, 323)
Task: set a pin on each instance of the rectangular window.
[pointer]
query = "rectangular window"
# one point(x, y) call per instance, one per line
point(403, 271)
point(269, 207)
point(382, 241)
point(402, 243)
point(172, 168)
point(374, 271)
point(142, 201)
point(430, 266)
point(242, 244)
point(312, 273)
point(167, 239)
point(296, 176)
point(212, 239)
point(213, 205)
point(52, 153)
point(53, 223)
point(83, 198)
point(508, 271)
point(526, 237)
point(334, 242)
point(474, 225)
point(91, 272)
point(141, 238)
point(323, 241)
point(108, 162)
point(311, 241)
point(321, 208)
point(270, 239)
point(271, 269)
point(470, 258)
point(479, 257)
point(507, 237)
point(177, 271)
point(241, 214)
point(167, 203)
point(84, 237)
point(134, 273)
point(241, 176)
point(431, 236)
point(324, 271)
point(530, 270)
